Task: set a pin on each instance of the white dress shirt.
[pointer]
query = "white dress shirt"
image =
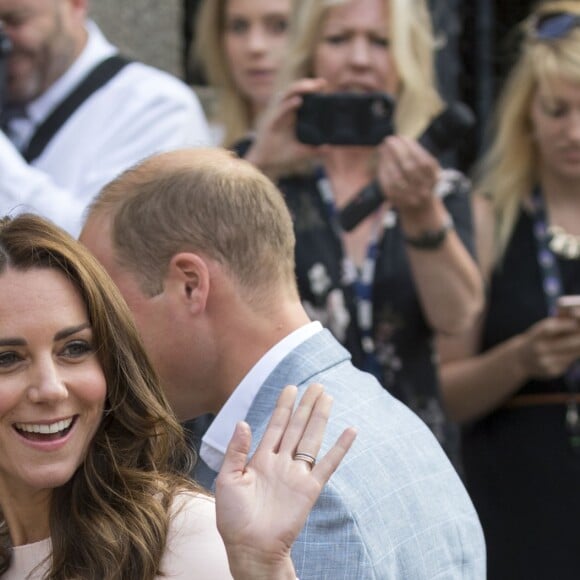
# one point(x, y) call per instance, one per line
point(217, 437)
point(139, 112)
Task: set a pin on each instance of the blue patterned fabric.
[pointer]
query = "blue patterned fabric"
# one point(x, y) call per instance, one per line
point(395, 508)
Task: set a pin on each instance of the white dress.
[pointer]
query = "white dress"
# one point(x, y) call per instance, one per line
point(194, 547)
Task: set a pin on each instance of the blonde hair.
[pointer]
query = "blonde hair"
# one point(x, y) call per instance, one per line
point(233, 110)
point(412, 43)
point(509, 170)
point(205, 201)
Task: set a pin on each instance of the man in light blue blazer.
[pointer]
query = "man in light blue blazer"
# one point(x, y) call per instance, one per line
point(201, 245)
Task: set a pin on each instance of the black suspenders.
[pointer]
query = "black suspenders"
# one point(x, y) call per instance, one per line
point(98, 77)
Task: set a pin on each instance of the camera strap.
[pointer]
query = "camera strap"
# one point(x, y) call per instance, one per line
point(94, 80)
point(361, 280)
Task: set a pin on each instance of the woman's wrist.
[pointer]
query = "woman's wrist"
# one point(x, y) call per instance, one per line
point(417, 222)
point(248, 564)
point(520, 370)
point(430, 239)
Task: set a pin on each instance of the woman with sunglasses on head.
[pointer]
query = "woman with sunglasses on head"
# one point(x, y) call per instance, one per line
point(240, 47)
point(92, 460)
point(404, 272)
point(514, 381)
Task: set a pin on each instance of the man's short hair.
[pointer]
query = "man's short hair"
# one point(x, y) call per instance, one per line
point(206, 201)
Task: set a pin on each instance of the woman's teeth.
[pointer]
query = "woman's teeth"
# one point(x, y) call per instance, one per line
point(36, 429)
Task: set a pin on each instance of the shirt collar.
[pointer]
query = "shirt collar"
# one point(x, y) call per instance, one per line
point(217, 437)
point(96, 50)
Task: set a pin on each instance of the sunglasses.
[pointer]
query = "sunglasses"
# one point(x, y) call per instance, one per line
point(554, 25)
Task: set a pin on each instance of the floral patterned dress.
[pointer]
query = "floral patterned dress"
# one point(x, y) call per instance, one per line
point(375, 313)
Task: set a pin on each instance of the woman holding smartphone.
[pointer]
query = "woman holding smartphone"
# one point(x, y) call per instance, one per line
point(406, 271)
point(514, 380)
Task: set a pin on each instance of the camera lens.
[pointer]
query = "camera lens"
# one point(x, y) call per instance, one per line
point(378, 108)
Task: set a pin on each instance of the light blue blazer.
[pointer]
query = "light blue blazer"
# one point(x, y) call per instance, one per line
point(395, 508)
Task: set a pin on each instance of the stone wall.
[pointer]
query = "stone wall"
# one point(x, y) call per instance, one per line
point(148, 30)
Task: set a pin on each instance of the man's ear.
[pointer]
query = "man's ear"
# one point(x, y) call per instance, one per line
point(189, 278)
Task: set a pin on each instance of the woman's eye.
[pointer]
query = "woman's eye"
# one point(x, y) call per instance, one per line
point(278, 25)
point(380, 41)
point(555, 111)
point(237, 26)
point(77, 348)
point(8, 359)
point(552, 109)
point(335, 38)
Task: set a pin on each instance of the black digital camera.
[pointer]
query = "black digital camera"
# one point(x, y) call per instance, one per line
point(345, 118)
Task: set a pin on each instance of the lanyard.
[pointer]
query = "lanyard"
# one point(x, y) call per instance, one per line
point(361, 279)
point(553, 288)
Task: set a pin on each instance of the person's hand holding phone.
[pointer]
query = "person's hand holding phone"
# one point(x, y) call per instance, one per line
point(548, 348)
point(275, 144)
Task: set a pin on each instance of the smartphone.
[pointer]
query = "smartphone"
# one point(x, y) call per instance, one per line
point(345, 118)
point(569, 305)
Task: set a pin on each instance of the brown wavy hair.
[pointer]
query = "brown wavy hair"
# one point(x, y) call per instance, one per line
point(111, 519)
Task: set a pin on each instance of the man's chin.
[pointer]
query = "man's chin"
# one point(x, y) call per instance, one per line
point(20, 94)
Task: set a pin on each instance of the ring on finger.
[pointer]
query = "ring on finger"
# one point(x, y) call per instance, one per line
point(306, 457)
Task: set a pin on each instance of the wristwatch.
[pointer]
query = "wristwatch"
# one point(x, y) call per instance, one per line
point(430, 239)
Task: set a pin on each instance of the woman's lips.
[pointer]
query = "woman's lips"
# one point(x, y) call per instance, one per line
point(260, 75)
point(46, 432)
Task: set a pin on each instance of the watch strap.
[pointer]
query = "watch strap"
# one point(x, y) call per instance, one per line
point(430, 239)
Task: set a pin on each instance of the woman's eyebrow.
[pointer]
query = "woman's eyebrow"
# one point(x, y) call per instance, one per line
point(66, 332)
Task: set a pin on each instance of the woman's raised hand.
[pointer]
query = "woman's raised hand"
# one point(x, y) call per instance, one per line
point(408, 172)
point(262, 504)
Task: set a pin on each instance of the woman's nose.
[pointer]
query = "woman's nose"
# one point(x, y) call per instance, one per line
point(573, 126)
point(257, 39)
point(47, 384)
point(360, 52)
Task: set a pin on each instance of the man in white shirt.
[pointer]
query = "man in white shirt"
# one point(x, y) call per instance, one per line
point(138, 112)
point(201, 245)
